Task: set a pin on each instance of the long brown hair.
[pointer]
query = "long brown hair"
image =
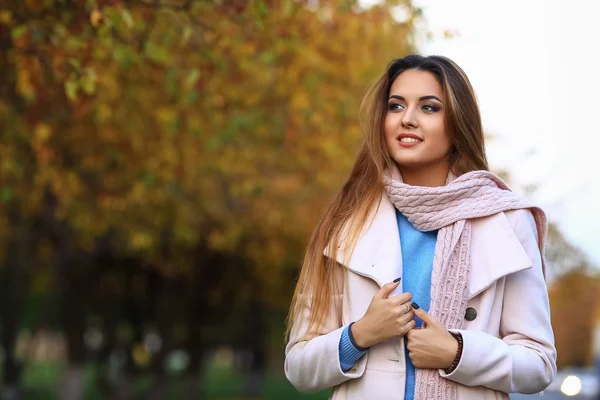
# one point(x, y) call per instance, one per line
point(350, 209)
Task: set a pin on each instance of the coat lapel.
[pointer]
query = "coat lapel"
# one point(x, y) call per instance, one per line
point(495, 252)
point(377, 254)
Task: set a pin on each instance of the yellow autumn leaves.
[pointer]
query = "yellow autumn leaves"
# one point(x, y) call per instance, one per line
point(220, 126)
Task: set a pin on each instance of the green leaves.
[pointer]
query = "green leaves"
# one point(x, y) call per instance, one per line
point(88, 82)
point(157, 53)
point(125, 57)
point(262, 8)
point(127, 18)
point(148, 179)
point(6, 194)
point(192, 78)
point(19, 31)
point(85, 83)
point(229, 125)
point(71, 89)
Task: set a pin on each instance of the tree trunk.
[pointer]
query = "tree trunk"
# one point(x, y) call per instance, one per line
point(255, 333)
point(73, 313)
point(195, 371)
point(163, 307)
point(103, 380)
point(11, 301)
point(124, 389)
point(14, 290)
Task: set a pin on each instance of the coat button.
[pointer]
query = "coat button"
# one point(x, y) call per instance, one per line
point(470, 314)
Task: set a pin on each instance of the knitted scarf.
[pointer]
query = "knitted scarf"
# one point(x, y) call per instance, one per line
point(448, 209)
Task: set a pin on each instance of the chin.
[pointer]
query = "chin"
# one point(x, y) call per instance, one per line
point(410, 163)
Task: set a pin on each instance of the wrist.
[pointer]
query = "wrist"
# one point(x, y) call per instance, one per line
point(452, 350)
point(457, 351)
point(358, 336)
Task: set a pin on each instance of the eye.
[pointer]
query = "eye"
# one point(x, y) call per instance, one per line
point(395, 106)
point(430, 108)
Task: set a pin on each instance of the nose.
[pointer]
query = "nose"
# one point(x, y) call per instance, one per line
point(409, 119)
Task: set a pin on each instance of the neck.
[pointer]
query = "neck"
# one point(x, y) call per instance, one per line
point(431, 176)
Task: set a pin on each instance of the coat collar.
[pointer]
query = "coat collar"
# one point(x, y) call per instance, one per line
point(495, 252)
point(495, 249)
point(377, 253)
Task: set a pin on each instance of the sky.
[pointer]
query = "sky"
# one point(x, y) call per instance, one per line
point(532, 65)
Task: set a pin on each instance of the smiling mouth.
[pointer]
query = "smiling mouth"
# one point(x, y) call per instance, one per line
point(409, 140)
point(405, 137)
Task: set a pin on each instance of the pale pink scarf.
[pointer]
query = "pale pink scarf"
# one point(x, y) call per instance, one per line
point(448, 209)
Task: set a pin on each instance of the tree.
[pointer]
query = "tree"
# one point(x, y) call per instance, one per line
point(179, 128)
point(573, 298)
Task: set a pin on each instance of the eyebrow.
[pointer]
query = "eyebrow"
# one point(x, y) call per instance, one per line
point(395, 96)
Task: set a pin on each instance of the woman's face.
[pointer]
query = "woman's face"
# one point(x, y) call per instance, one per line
point(415, 133)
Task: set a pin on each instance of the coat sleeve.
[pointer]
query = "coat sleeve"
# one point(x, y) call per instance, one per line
point(523, 359)
point(312, 360)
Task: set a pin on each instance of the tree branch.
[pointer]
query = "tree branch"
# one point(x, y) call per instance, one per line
point(169, 4)
point(148, 30)
point(200, 23)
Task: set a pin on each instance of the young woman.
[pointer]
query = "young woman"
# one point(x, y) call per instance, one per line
point(425, 279)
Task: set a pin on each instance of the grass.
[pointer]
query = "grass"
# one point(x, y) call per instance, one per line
point(40, 381)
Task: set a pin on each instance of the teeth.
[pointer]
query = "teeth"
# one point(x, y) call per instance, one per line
point(409, 140)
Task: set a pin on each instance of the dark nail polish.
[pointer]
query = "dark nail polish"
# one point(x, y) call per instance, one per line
point(415, 306)
point(397, 280)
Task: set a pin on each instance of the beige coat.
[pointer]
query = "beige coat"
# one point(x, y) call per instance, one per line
point(508, 347)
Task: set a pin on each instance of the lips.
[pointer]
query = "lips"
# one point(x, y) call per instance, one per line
point(408, 140)
point(409, 135)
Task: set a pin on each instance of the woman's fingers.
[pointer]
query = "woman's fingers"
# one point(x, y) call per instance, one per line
point(404, 308)
point(402, 298)
point(406, 318)
point(407, 327)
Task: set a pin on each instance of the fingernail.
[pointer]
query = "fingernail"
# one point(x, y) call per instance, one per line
point(397, 280)
point(415, 306)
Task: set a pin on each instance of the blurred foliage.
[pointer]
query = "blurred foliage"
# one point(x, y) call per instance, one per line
point(170, 124)
point(223, 384)
point(161, 158)
point(574, 308)
point(573, 292)
point(164, 161)
point(562, 255)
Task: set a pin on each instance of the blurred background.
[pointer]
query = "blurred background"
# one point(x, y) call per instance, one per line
point(162, 163)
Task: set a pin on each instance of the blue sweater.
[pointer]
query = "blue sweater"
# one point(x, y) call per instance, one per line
point(417, 260)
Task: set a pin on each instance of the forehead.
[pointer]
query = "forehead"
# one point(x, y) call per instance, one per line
point(415, 83)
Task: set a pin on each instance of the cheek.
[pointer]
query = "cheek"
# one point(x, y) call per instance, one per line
point(445, 142)
point(389, 128)
point(442, 138)
point(387, 125)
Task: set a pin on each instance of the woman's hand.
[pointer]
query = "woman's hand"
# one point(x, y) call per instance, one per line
point(432, 346)
point(385, 318)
